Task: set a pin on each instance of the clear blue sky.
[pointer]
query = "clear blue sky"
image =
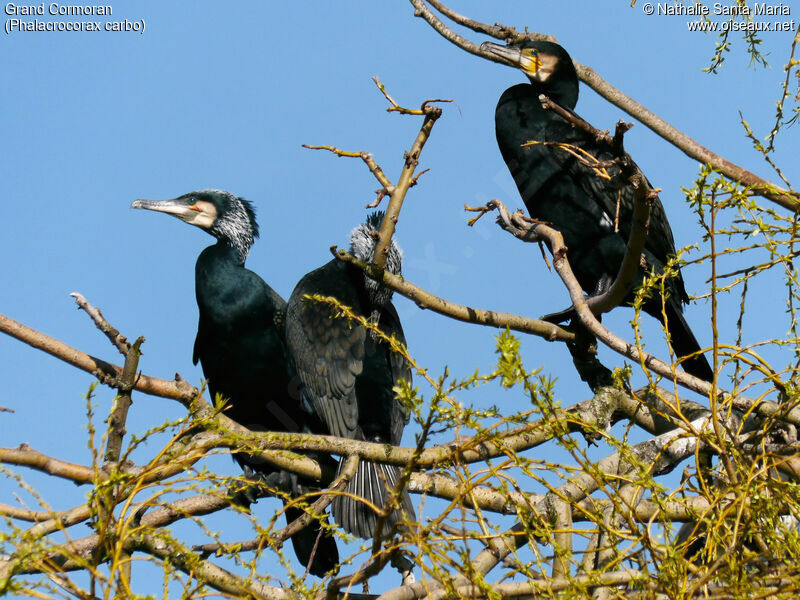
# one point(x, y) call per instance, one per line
point(216, 95)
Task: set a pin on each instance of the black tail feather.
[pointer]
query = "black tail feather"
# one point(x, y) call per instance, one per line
point(684, 343)
point(372, 481)
point(325, 556)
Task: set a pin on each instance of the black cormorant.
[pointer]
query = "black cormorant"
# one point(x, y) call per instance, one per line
point(558, 189)
point(348, 373)
point(240, 339)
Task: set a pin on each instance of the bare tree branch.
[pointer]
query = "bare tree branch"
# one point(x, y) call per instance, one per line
point(535, 231)
point(690, 147)
point(119, 409)
point(28, 457)
point(105, 372)
point(426, 300)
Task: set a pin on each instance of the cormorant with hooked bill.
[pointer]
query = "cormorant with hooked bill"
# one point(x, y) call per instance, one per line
point(240, 341)
point(348, 373)
point(558, 189)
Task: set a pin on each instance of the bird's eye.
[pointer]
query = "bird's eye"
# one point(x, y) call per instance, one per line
point(192, 201)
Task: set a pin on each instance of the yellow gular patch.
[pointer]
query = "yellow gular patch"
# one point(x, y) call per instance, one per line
point(530, 62)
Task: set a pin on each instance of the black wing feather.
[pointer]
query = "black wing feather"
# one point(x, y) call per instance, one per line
point(328, 352)
point(347, 375)
point(400, 370)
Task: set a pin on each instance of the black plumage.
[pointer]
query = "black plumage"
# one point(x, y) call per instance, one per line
point(348, 373)
point(240, 339)
point(559, 189)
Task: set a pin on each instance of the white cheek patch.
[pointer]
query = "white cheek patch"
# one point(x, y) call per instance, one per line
point(203, 218)
point(548, 64)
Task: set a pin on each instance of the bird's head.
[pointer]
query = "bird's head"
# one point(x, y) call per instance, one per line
point(228, 218)
point(546, 64)
point(363, 240)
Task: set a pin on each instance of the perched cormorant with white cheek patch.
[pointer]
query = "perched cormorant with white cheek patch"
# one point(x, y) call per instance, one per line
point(240, 340)
point(348, 373)
point(558, 189)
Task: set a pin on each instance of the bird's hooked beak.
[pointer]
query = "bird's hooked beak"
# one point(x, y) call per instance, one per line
point(187, 208)
point(536, 66)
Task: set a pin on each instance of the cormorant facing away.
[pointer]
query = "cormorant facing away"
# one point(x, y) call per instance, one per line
point(347, 373)
point(558, 189)
point(240, 339)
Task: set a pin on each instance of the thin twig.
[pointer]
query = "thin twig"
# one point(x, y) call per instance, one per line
point(395, 107)
point(398, 195)
point(117, 339)
point(374, 168)
point(303, 521)
point(662, 452)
